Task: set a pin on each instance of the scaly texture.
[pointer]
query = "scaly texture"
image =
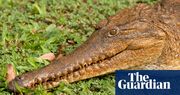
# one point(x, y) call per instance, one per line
point(143, 37)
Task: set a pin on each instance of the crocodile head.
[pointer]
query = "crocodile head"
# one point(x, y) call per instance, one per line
point(125, 40)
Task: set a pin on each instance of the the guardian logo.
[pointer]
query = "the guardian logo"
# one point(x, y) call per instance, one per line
point(147, 82)
point(139, 81)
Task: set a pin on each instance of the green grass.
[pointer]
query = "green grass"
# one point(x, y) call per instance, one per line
point(30, 28)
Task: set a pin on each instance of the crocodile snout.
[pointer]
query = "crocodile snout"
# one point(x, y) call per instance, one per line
point(14, 84)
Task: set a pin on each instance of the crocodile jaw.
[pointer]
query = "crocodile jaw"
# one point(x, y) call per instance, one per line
point(89, 60)
point(51, 79)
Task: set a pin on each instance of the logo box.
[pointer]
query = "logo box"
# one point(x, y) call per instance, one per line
point(147, 82)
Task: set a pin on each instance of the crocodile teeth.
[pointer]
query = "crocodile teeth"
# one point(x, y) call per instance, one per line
point(82, 71)
point(65, 72)
point(55, 83)
point(72, 72)
point(95, 66)
point(89, 61)
point(76, 74)
point(70, 77)
point(81, 65)
point(39, 80)
point(29, 85)
point(95, 59)
point(52, 76)
point(102, 57)
point(102, 65)
point(57, 75)
point(89, 68)
point(70, 69)
point(32, 83)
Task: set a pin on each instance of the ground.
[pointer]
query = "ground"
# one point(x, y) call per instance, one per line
point(30, 28)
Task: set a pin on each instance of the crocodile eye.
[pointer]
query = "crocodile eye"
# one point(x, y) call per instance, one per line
point(113, 32)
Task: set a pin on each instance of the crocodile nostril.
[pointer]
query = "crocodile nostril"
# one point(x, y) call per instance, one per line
point(18, 78)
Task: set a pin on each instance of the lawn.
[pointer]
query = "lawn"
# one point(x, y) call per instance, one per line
point(30, 28)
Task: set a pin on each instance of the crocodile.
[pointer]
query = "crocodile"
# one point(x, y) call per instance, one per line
point(144, 37)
